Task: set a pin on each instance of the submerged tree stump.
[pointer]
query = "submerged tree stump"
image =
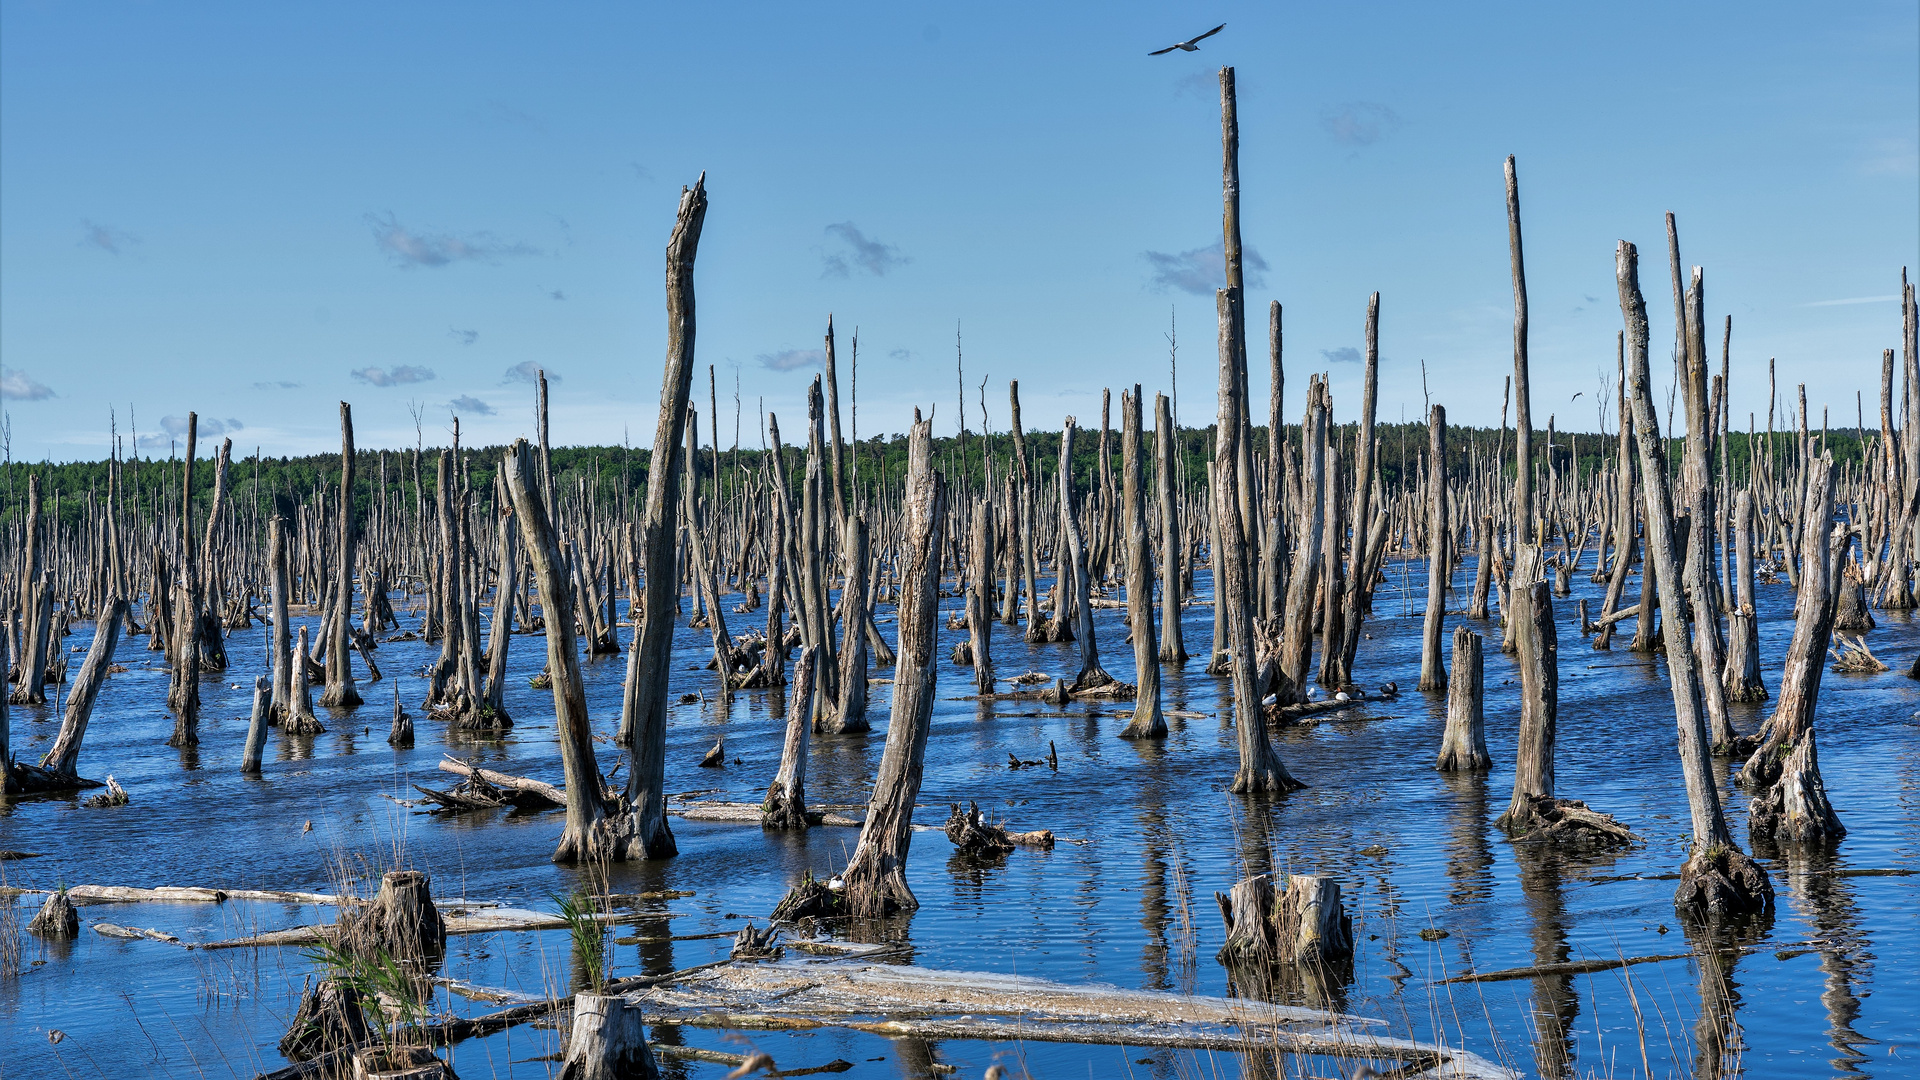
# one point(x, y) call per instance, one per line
point(57, 917)
point(329, 1019)
point(973, 836)
point(609, 1041)
point(402, 921)
point(1464, 746)
point(1565, 822)
point(400, 1063)
point(1304, 924)
point(1794, 807)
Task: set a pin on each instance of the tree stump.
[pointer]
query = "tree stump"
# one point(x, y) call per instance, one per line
point(401, 921)
point(57, 917)
point(1794, 807)
point(1305, 924)
point(973, 836)
point(1464, 746)
point(1247, 910)
point(1568, 822)
point(752, 943)
point(329, 1019)
point(1723, 881)
point(1853, 615)
point(400, 1063)
point(609, 1042)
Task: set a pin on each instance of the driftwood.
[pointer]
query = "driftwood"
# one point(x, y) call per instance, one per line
point(521, 786)
point(1574, 967)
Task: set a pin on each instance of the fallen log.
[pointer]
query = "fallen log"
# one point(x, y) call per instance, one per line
point(1575, 967)
point(517, 784)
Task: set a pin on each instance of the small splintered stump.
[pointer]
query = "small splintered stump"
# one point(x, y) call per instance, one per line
point(329, 1019)
point(115, 795)
point(1794, 807)
point(785, 806)
point(609, 1042)
point(1305, 924)
point(300, 718)
point(962, 655)
point(717, 757)
point(400, 1063)
point(973, 836)
point(1723, 882)
point(1853, 615)
point(752, 943)
point(810, 899)
point(401, 734)
point(401, 921)
point(1568, 822)
point(57, 917)
point(1854, 658)
point(1465, 744)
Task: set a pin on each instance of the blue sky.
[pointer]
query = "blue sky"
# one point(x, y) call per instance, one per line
point(254, 211)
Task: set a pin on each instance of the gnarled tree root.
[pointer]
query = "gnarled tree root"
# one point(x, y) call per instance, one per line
point(1723, 882)
point(1568, 822)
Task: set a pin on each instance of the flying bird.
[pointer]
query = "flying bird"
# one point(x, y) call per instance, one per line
point(1191, 44)
point(1576, 397)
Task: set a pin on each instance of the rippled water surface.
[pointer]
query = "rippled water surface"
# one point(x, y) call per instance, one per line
point(1830, 986)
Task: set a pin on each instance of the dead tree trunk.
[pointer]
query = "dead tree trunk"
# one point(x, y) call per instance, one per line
point(1742, 673)
point(1260, 768)
point(785, 806)
point(876, 875)
point(1483, 567)
point(608, 1041)
point(35, 601)
point(1173, 645)
point(980, 598)
point(1718, 878)
point(1148, 720)
point(257, 726)
point(1539, 686)
point(280, 634)
point(1358, 587)
point(63, 759)
point(1296, 649)
point(1433, 669)
point(446, 603)
point(340, 692)
point(494, 709)
point(1464, 746)
point(1791, 800)
point(647, 723)
point(592, 832)
point(300, 718)
point(1079, 590)
point(849, 715)
point(1028, 568)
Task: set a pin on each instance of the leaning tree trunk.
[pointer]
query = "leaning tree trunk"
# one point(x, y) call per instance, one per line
point(1791, 800)
point(340, 692)
point(493, 709)
point(785, 806)
point(592, 832)
point(64, 758)
point(647, 722)
point(1718, 878)
point(1149, 722)
point(876, 875)
point(1433, 669)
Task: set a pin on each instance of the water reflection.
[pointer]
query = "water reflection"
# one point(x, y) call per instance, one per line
point(1556, 1004)
point(1824, 896)
point(1469, 853)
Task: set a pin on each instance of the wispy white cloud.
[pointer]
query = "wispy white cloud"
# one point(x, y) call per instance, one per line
point(863, 253)
point(467, 403)
point(464, 337)
point(527, 371)
point(1345, 354)
point(206, 427)
point(1202, 270)
point(410, 248)
point(282, 384)
point(1852, 300)
point(792, 359)
point(398, 375)
point(17, 385)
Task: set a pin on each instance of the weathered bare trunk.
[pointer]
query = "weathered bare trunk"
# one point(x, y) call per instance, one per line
point(876, 875)
point(1717, 878)
point(1148, 720)
point(64, 758)
point(608, 1041)
point(1464, 746)
point(1538, 646)
point(280, 634)
point(1483, 567)
point(257, 726)
point(980, 598)
point(300, 717)
point(1433, 669)
point(849, 715)
point(494, 709)
point(340, 692)
point(1353, 608)
point(1173, 646)
point(1077, 573)
point(1296, 650)
point(1741, 675)
point(785, 806)
point(1028, 565)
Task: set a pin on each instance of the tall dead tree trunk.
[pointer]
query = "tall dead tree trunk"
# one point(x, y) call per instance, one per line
point(980, 597)
point(1433, 669)
point(186, 657)
point(849, 715)
point(1296, 647)
point(1029, 569)
point(1741, 675)
point(1149, 722)
point(340, 692)
point(280, 634)
point(1079, 576)
point(785, 806)
point(876, 875)
point(1358, 587)
point(1522, 396)
point(494, 709)
point(1464, 746)
point(1173, 645)
point(1791, 799)
point(647, 777)
point(1261, 769)
point(1718, 878)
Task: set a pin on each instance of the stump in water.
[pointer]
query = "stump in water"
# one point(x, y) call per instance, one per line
point(329, 1019)
point(400, 1063)
point(972, 836)
point(810, 899)
point(1465, 744)
point(300, 717)
point(1722, 882)
point(401, 734)
point(1853, 614)
point(57, 917)
point(115, 795)
point(1433, 672)
point(1305, 924)
point(1794, 808)
point(257, 725)
point(608, 1042)
point(785, 806)
point(1567, 822)
point(717, 757)
point(752, 943)
point(401, 921)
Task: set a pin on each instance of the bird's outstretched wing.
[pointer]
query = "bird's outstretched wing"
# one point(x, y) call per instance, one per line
point(1208, 34)
point(1163, 52)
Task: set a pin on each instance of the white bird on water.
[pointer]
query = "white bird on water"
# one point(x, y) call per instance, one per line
point(1191, 44)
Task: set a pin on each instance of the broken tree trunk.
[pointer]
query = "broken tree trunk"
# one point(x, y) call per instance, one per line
point(1079, 590)
point(1357, 584)
point(300, 717)
point(980, 597)
point(849, 715)
point(280, 634)
point(401, 922)
point(62, 761)
point(1149, 722)
point(647, 722)
point(257, 726)
point(1742, 673)
point(1784, 773)
point(1464, 746)
point(785, 806)
point(1718, 878)
point(876, 875)
point(1304, 924)
point(608, 1042)
point(1433, 668)
point(1173, 647)
point(593, 832)
point(340, 692)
